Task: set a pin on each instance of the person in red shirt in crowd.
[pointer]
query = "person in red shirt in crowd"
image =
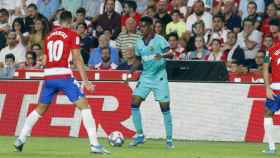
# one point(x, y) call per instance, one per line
point(274, 30)
point(217, 54)
point(130, 11)
point(267, 42)
point(176, 52)
point(270, 13)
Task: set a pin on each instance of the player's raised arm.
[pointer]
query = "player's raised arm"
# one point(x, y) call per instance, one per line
point(78, 61)
point(269, 92)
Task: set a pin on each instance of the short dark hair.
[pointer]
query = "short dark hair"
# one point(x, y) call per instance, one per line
point(175, 11)
point(81, 10)
point(82, 23)
point(248, 20)
point(10, 56)
point(274, 21)
point(254, 3)
point(173, 34)
point(66, 16)
point(32, 5)
point(4, 12)
point(219, 16)
point(147, 20)
point(33, 55)
point(131, 4)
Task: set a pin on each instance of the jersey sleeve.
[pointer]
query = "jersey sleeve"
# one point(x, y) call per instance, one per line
point(164, 45)
point(74, 41)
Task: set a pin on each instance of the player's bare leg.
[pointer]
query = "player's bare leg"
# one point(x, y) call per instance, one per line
point(165, 109)
point(137, 121)
point(90, 126)
point(268, 127)
point(30, 121)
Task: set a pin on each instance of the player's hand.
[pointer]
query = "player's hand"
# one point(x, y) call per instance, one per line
point(269, 93)
point(89, 86)
point(157, 57)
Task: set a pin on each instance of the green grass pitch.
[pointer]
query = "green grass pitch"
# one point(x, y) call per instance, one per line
point(38, 147)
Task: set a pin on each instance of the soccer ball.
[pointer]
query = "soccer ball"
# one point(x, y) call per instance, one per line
point(116, 139)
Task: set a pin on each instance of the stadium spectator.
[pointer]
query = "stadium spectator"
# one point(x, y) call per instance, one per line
point(181, 6)
point(4, 20)
point(218, 31)
point(232, 20)
point(216, 54)
point(13, 47)
point(198, 29)
point(130, 7)
point(71, 5)
point(259, 61)
point(92, 7)
point(199, 13)
point(274, 27)
point(277, 4)
point(142, 5)
point(176, 25)
point(129, 60)
point(21, 6)
point(243, 7)
point(86, 42)
point(252, 14)
point(105, 63)
point(37, 49)
point(30, 60)
point(18, 27)
point(162, 14)
point(235, 53)
point(267, 42)
point(48, 7)
point(127, 37)
point(270, 13)
point(7, 71)
point(176, 51)
point(158, 28)
point(207, 3)
point(95, 54)
point(81, 17)
point(200, 51)
point(2, 40)
point(151, 11)
point(40, 31)
point(109, 20)
point(249, 39)
point(117, 7)
point(108, 34)
point(32, 14)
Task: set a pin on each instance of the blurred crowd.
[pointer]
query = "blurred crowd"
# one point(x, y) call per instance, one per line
point(237, 32)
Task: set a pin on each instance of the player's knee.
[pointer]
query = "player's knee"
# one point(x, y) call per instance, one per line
point(164, 107)
point(41, 109)
point(136, 101)
point(268, 113)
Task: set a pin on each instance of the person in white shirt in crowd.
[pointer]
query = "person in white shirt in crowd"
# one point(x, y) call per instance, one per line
point(13, 47)
point(207, 3)
point(176, 51)
point(217, 53)
point(219, 31)
point(118, 7)
point(249, 39)
point(199, 13)
point(181, 6)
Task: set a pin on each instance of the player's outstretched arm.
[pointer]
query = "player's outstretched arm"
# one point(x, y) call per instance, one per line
point(269, 92)
point(78, 61)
